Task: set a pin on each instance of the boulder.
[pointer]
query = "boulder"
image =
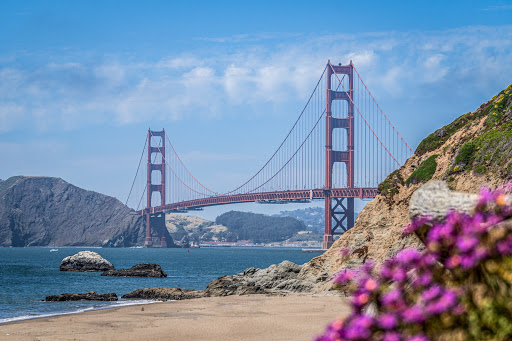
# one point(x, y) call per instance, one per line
point(91, 295)
point(85, 261)
point(276, 278)
point(139, 270)
point(164, 294)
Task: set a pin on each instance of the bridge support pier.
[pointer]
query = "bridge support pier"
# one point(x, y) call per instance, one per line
point(341, 211)
point(159, 150)
point(149, 241)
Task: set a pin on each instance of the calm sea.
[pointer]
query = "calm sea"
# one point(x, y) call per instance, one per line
point(28, 275)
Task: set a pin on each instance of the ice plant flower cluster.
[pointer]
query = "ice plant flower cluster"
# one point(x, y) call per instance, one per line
point(459, 287)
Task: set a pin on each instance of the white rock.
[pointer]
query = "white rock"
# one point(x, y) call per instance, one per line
point(85, 261)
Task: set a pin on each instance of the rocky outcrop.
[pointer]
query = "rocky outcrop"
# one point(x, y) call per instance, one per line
point(164, 294)
point(85, 261)
point(278, 278)
point(479, 139)
point(91, 296)
point(45, 211)
point(139, 270)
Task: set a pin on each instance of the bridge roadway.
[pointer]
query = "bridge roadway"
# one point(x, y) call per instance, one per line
point(306, 194)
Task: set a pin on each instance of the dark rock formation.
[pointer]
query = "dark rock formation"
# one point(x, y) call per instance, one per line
point(91, 296)
point(164, 294)
point(43, 211)
point(278, 278)
point(139, 270)
point(85, 261)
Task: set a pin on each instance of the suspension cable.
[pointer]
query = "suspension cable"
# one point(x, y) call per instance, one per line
point(381, 109)
point(136, 173)
point(351, 101)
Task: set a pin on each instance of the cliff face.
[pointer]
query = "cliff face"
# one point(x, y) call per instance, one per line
point(44, 211)
point(472, 151)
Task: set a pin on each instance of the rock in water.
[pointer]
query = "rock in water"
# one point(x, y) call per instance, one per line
point(91, 296)
point(85, 261)
point(139, 270)
point(164, 294)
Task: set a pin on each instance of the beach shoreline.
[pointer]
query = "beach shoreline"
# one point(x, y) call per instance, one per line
point(248, 317)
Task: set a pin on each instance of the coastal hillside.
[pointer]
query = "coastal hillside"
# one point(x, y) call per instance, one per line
point(258, 228)
point(186, 228)
point(313, 217)
point(472, 151)
point(46, 211)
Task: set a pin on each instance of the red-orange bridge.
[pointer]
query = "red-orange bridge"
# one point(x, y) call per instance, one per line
point(340, 148)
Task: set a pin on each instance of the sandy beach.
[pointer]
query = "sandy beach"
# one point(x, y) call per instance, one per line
point(253, 317)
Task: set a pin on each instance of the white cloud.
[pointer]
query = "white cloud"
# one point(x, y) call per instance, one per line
point(206, 84)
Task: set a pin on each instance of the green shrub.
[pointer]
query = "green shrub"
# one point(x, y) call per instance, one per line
point(466, 154)
point(431, 142)
point(480, 169)
point(424, 172)
point(389, 187)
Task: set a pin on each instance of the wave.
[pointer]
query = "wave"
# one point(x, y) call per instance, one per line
point(122, 303)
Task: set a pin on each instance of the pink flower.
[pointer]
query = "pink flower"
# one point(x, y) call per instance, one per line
point(466, 243)
point(413, 314)
point(387, 321)
point(344, 277)
point(391, 336)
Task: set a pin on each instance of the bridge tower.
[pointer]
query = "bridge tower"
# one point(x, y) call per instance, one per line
point(150, 187)
point(341, 210)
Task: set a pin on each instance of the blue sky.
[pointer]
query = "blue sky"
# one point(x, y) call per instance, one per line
point(81, 81)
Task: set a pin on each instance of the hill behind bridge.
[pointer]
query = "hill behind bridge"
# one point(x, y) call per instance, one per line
point(46, 211)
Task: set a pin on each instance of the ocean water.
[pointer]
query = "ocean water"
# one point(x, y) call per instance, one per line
point(28, 275)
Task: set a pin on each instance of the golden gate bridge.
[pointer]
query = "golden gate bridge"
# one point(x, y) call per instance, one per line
point(341, 147)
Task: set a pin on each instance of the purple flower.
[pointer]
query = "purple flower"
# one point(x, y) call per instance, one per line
point(413, 314)
point(452, 262)
point(408, 256)
point(344, 277)
point(466, 243)
point(485, 197)
point(431, 293)
point(387, 321)
point(359, 328)
point(443, 304)
point(392, 297)
point(360, 299)
point(391, 336)
point(418, 337)
point(424, 279)
point(399, 275)
point(469, 261)
point(504, 247)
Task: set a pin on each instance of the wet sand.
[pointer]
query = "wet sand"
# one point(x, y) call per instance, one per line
point(253, 317)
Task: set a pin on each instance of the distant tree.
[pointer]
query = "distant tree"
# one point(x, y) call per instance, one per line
point(259, 228)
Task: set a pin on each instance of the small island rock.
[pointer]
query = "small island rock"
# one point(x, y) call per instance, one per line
point(91, 296)
point(139, 270)
point(85, 261)
point(164, 294)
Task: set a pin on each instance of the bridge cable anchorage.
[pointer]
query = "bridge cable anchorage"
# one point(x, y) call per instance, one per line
point(351, 101)
point(412, 151)
point(175, 153)
point(282, 143)
point(137, 173)
point(172, 170)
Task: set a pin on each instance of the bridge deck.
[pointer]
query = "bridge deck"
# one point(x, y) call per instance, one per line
point(306, 194)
